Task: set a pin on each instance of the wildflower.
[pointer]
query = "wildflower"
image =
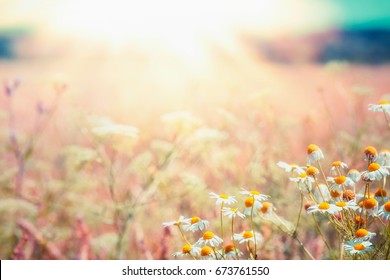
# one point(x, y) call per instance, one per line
point(232, 212)
point(251, 204)
point(384, 212)
point(339, 181)
point(375, 172)
point(304, 182)
point(209, 238)
point(381, 195)
point(314, 154)
point(230, 251)
point(255, 194)
point(178, 222)
point(188, 250)
point(206, 253)
point(364, 235)
point(370, 153)
point(382, 106)
point(341, 205)
point(196, 223)
point(312, 171)
point(356, 246)
point(309, 204)
point(223, 198)
point(360, 221)
point(323, 208)
point(336, 165)
point(371, 206)
point(383, 158)
point(267, 208)
point(348, 195)
point(321, 193)
point(335, 194)
point(354, 175)
point(247, 236)
point(289, 168)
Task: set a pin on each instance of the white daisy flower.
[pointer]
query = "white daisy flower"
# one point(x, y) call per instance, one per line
point(195, 224)
point(180, 221)
point(232, 212)
point(206, 253)
point(339, 181)
point(371, 205)
point(229, 252)
point(289, 168)
point(209, 238)
point(336, 165)
point(323, 208)
point(223, 198)
point(250, 203)
point(375, 172)
point(384, 211)
point(188, 250)
point(267, 209)
point(257, 196)
point(356, 246)
point(364, 235)
point(354, 175)
point(247, 236)
point(314, 154)
point(304, 182)
point(381, 195)
point(382, 106)
point(321, 193)
point(370, 153)
point(341, 205)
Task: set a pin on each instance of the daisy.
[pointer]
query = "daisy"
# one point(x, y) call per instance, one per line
point(371, 206)
point(382, 106)
point(209, 238)
point(323, 208)
point(384, 212)
point(370, 153)
point(381, 195)
point(375, 172)
point(312, 171)
point(251, 203)
point(196, 223)
point(178, 222)
point(230, 252)
point(289, 168)
point(383, 158)
point(364, 235)
point(354, 175)
point(314, 154)
point(349, 195)
point(247, 236)
point(188, 250)
point(206, 253)
point(304, 182)
point(267, 208)
point(341, 205)
point(232, 212)
point(255, 194)
point(336, 165)
point(339, 181)
point(223, 198)
point(356, 246)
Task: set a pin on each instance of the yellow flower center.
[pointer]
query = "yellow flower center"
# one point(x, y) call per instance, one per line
point(335, 193)
point(340, 180)
point(371, 151)
point(205, 251)
point(208, 235)
point(360, 221)
point(324, 206)
point(265, 207)
point(359, 247)
point(302, 175)
point(223, 196)
point(233, 209)
point(249, 202)
point(370, 203)
point(361, 233)
point(373, 167)
point(387, 206)
point(341, 204)
point(312, 148)
point(194, 220)
point(229, 248)
point(336, 163)
point(254, 192)
point(247, 234)
point(186, 249)
point(311, 170)
point(383, 102)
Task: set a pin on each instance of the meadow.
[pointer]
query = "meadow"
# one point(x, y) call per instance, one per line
point(101, 149)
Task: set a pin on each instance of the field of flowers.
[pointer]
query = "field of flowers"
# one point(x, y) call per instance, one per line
point(151, 160)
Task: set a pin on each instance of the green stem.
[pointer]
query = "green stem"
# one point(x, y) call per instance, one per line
point(234, 241)
point(253, 230)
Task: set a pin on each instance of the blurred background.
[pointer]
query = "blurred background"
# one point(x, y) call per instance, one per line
point(262, 79)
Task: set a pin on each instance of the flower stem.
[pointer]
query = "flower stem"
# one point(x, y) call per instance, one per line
point(234, 241)
point(253, 229)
